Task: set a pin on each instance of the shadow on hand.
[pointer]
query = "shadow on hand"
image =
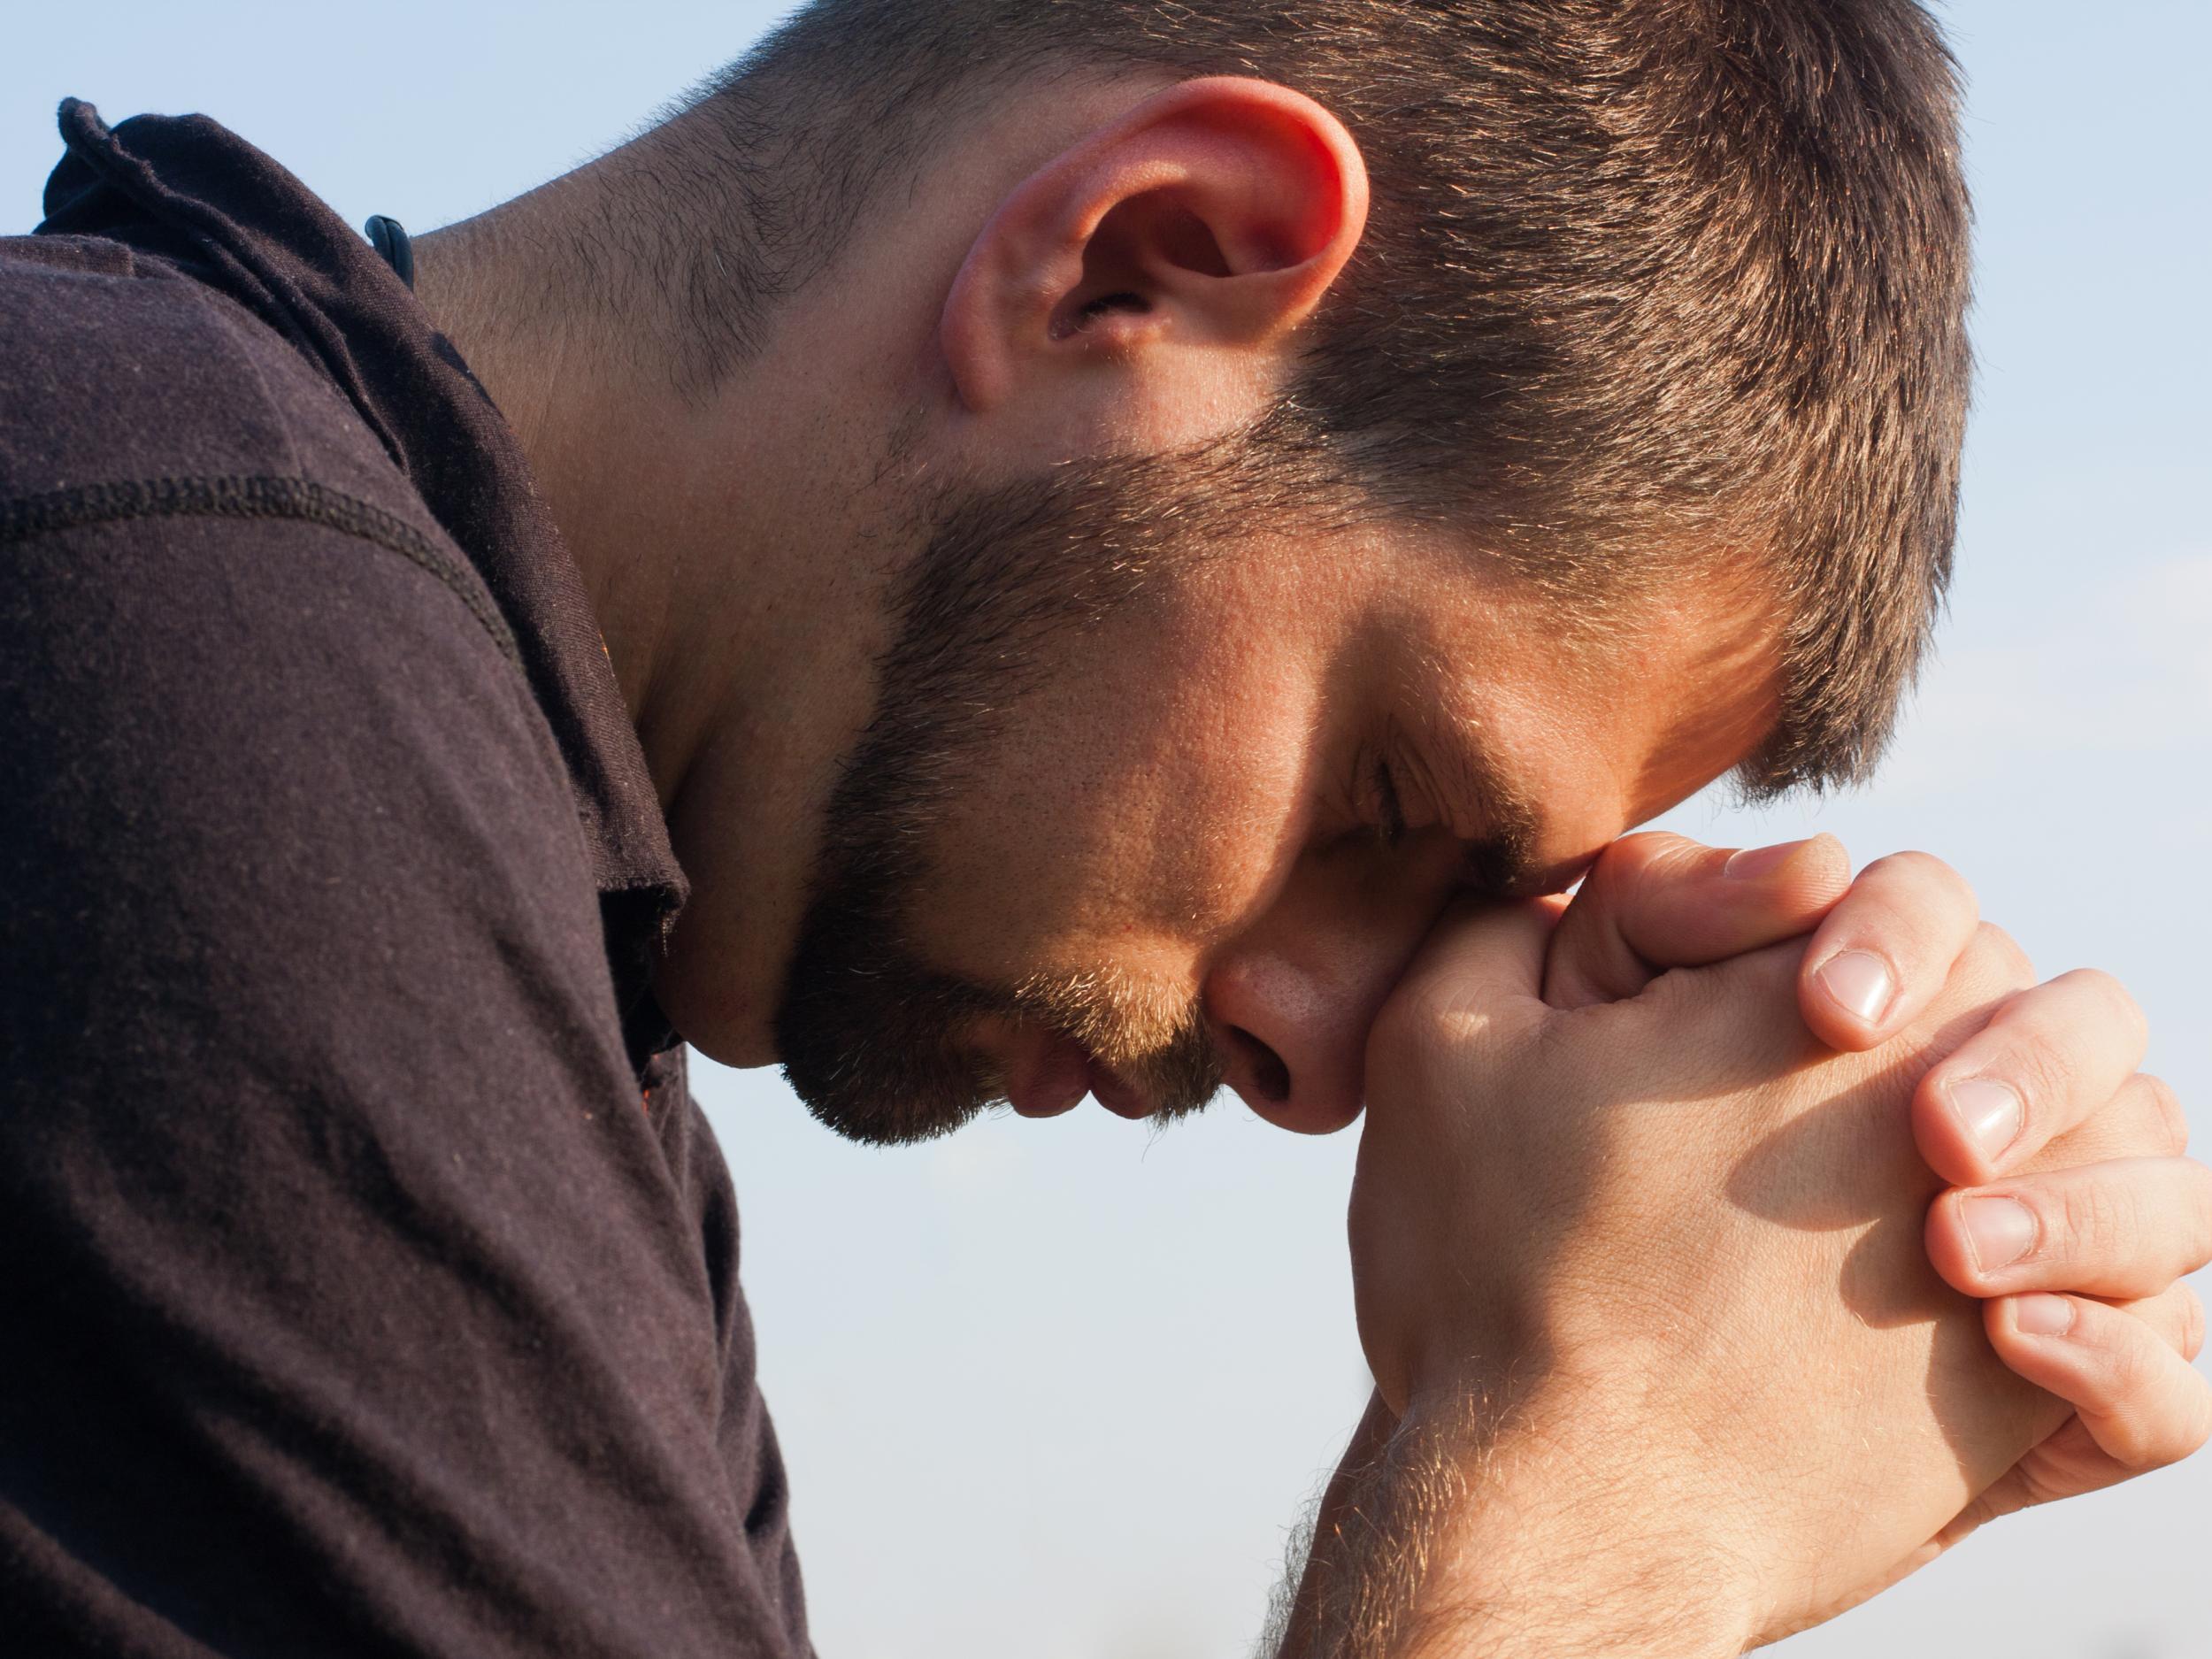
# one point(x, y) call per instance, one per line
point(1850, 1163)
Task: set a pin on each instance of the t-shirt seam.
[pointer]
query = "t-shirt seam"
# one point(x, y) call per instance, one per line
point(251, 496)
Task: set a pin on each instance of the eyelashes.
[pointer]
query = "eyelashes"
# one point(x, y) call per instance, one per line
point(1375, 808)
point(1390, 815)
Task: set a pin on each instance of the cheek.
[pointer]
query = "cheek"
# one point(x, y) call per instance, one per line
point(1139, 806)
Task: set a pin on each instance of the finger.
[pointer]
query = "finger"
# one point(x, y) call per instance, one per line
point(2067, 1464)
point(2144, 1120)
point(2070, 1461)
point(1655, 901)
point(2177, 1314)
point(2128, 1228)
point(1481, 962)
point(2141, 1404)
point(1885, 949)
point(2047, 1060)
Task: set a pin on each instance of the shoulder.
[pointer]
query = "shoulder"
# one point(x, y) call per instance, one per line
point(193, 517)
point(131, 394)
point(261, 735)
point(200, 536)
point(263, 711)
point(235, 648)
point(121, 365)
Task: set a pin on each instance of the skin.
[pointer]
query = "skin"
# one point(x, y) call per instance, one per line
point(1265, 889)
point(1654, 1155)
point(1187, 798)
point(746, 656)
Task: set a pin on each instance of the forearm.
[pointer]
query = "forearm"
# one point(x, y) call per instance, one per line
point(1459, 1536)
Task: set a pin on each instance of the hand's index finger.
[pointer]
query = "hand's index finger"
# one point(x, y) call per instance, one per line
point(1886, 949)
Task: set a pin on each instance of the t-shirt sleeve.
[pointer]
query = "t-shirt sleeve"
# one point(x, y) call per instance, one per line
point(347, 1303)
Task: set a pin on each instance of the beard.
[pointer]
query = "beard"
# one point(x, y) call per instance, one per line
point(868, 1031)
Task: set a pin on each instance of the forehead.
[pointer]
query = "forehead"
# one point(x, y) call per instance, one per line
point(1568, 721)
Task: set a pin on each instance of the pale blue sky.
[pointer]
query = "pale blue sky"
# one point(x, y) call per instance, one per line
point(1055, 1389)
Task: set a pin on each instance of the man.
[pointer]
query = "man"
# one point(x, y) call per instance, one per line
point(1097, 550)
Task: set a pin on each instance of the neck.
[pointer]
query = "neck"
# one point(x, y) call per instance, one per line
point(591, 422)
point(736, 532)
point(733, 556)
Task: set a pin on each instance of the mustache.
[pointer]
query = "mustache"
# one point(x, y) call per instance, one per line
point(1151, 1037)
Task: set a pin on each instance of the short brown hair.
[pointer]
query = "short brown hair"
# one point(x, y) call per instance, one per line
point(1639, 275)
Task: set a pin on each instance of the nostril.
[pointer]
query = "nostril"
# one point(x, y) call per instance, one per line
point(1270, 1076)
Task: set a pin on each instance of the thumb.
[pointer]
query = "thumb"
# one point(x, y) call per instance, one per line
point(1483, 961)
point(1656, 901)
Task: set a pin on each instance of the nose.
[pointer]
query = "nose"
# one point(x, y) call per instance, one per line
point(1290, 1001)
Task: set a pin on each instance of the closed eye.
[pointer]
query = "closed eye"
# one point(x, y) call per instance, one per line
point(1390, 816)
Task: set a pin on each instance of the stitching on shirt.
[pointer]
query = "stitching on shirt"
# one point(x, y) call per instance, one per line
point(250, 496)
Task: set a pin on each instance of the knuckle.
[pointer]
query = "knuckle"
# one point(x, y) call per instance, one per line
point(1624, 861)
point(1440, 1019)
point(1999, 955)
point(2098, 1220)
point(2193, 1438)
point(1430, 1013)
point(2135, 1435)
point(1921, 867)
point(2155, 1438)
point(2191, 1322)
point(2116, 1002)
point(2054, 1064)
point(2197, 1182)
point(2046, 1072)
point(2165, 1106)
point(1933, 881)
point(1766, 976)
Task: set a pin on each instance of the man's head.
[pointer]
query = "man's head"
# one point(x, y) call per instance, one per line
point(1321, 457)
point(1136, 824)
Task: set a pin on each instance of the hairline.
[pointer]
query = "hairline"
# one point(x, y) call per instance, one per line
point(1830, 732)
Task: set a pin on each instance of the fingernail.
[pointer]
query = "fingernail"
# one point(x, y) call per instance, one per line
point(1759, 861)
point(1999, 1230)
point(2041, 1314)
point(1991, 1112)
point(1858, 982)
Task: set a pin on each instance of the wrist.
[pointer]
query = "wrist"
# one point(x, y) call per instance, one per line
point(1568, 1537)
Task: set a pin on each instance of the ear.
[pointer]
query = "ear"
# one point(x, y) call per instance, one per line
point(1152, 277)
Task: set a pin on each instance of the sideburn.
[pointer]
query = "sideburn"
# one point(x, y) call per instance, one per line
point(865, 1028)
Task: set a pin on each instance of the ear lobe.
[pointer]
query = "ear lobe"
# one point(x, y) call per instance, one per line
point(1212, 217)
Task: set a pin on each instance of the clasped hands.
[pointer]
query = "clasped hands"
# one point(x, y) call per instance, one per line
point(1740, 1272)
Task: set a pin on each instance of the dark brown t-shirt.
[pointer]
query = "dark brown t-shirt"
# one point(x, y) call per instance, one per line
point(368, 1277)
